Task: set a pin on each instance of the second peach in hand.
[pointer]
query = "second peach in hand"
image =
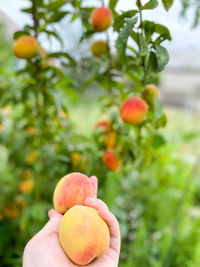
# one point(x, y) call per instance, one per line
point(83, 234)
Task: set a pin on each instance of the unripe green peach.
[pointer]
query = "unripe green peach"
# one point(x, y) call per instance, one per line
point(150, 91)
point(99, 48)
point(153, 89)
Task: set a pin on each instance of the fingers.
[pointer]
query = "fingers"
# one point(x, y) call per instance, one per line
point(111, 221)
point(53, 224)
point(109, 218)
point(95, 203)
point(94, 182)
point(53, 214)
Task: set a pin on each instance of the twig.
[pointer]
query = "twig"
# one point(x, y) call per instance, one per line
point(142, 32)
point(35, 18)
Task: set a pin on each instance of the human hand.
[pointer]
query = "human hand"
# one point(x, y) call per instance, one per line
point(44, 248)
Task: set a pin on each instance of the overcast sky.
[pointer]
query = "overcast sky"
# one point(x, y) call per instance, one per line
point(183, 37)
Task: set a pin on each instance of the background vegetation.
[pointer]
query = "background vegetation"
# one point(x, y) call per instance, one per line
point(49, 106)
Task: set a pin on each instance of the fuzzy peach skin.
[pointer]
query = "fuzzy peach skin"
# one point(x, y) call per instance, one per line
point(83, 234)
point(26, 47)
point(99, 48)
point(111, 161)
point(71, 190)
point(101, 19)
point(133, 110)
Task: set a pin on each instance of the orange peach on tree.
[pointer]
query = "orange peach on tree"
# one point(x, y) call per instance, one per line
point(71, 190)
point(26, 47)
point(110, 139)
point(31, 157)
point(63, 115)
point(12, 211)
point(31, 130)
point(101, 19)
point(99, 48)
point(111, 160)
point(26, 186)
point(103, 125)
point(133, 110)
point(83, 234)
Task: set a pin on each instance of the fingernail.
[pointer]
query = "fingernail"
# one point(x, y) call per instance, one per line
point(93, 176)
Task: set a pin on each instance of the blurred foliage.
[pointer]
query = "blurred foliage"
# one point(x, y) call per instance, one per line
point(155, 193)
point(191, 7)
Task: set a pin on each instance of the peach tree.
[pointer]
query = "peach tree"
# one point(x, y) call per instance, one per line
point(41, 140)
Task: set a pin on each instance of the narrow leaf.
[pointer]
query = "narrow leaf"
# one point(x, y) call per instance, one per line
point(162, 57)
point(119, 21)
point(167, 4)
point(150, 5)
point(123, 36)
point(112, 4)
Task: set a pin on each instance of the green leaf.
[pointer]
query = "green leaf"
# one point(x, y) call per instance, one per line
point(57, 16)
point(134, 36)
point(143, 45)
point(152, 65)
point(17, 34)
point(149, 29)
point(150, 5)
point(123, 36)
point(27, 10)
point(158, 140)
point(112, 4)
point(167, 4)
point(162, 57)
point(55, 34)
point(119, 21)
point(56, 4)
point(39, 3)
point(163, 31)
point(161, 122)
point(136, 79)
point(62, 54)
point(196, 19)
point(160, 118)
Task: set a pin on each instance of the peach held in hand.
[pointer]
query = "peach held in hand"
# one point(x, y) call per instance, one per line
point(101, 19)
point(71, 190)
point(134, 110)
point(26, 47)
point(83, 235)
